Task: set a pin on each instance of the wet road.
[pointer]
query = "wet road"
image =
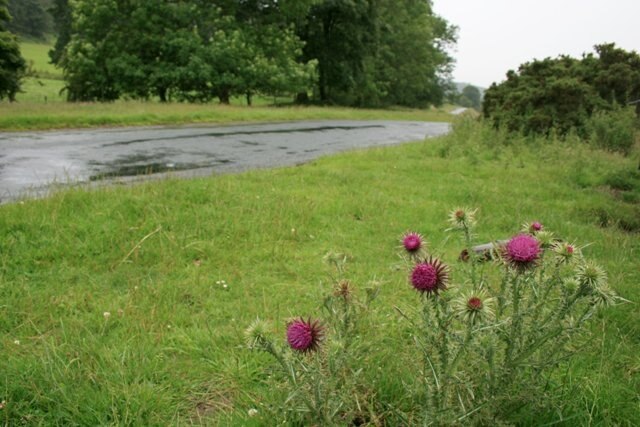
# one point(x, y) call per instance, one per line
point(31, 163)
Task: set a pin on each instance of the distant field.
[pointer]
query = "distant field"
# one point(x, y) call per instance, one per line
point(37, 56)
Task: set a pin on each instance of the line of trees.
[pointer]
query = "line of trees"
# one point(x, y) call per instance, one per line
point(348, 52)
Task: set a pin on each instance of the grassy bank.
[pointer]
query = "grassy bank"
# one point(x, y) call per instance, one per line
point(115, 310)
point(37, 115)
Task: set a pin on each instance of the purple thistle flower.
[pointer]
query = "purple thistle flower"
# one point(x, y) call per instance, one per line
point(412, 242)
point(304, 336)
point(536, 226)
point(522, 252)
point(430, 276)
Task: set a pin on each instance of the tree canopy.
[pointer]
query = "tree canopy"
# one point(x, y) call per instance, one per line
point(185, 50)
point(470, 97)
point(563, 93)
point(349, 52)
point(29, 18)
point(12, 65)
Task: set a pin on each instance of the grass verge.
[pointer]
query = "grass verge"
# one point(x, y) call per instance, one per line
point(114, 309)
point(37, 115)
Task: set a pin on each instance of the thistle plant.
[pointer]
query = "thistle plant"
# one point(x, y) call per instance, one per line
point(320, 361)
point(496, 336)
point(490, 329)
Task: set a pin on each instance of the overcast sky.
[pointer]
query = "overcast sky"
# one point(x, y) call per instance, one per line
point(495, 36)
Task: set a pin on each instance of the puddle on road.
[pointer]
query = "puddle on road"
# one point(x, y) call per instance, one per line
point(133, 170)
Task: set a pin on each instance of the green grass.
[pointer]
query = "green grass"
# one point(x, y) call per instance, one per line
point(171, 351)
point(37, 115)
point(37, 57)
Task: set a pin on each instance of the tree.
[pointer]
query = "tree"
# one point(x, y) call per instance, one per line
point(412, 63)
point(12, 64)
point(186, 50)
point(29, 18)
point(61, 14)
point(378, 52)
point(471, 97)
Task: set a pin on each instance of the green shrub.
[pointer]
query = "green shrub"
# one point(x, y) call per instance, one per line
point(613, 130)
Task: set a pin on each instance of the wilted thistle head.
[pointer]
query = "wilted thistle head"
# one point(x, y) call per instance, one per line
point(430, 276)
point(343, 289)
point(256, 335)
point(522, 252)
point(474, 307)
point(566, 252)
point(413, 243)
point(462, 218)
point(590, 277)
point(304, 335)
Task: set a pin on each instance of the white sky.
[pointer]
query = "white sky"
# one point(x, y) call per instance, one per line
point(495, 36)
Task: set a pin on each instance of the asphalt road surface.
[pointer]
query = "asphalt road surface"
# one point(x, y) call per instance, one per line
point(33, 163)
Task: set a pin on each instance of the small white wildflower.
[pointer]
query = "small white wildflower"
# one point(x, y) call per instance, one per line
point(252, 412)
point(3, 404)
point(17, 342)
point(106, 315)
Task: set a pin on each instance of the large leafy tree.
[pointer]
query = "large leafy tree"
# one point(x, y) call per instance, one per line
point(61, 13)
point(562, 93)
point(377, 52)
point(185, 50)
point(471, 97)
point(415, 52)
point(12, 64)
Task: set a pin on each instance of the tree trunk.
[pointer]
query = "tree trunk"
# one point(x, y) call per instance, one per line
point(162, 94)
point(224, 96)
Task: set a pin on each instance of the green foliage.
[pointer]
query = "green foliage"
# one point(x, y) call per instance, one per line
point(613, 130)
point(470, 97)
point(561, 94)
point(61, 14)
point(373, 53)
point(184, 51)
point(357, 53)
point(30, 18)
point(12, 64)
